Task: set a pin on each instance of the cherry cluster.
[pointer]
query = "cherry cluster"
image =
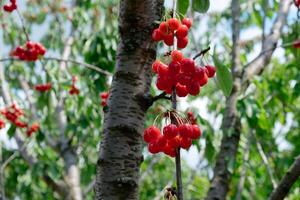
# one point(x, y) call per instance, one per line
point(104, 96)
point(74, 90)
point(43, 87)
point(173, 27)
point(14, 114)
point(31, 52)
point(173, 136)
point(182, 74)
point(11, 6)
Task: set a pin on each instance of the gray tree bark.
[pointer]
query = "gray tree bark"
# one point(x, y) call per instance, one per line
point(121, 145)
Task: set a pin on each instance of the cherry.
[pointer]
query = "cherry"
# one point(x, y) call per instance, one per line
point(43, 87)
point(199, 74)
point(175, 142)
point(185, 130)
point(173, 24)
point(170, 131)
point(191, 117)
point(162, 141)
point(193, 88)
point(169, 150)
point(151, 134)
point(20, 124)
point(174, 68)
point(160, 83)
point(296, 44)
point(156, 35)
point(182, 32)
point(169, 39)
point(188, 65)
point(153, 148)
point(196, 132)
point(104, 95)
point(204, 80)
point(2, 124)
point(211, 70)
point(163, 28)
point(187, 21)
point(176, 56)
point(163, 70)
point(182, 42)
point(184, 78)
point(181, 90)
point(155, 66)
point(185, 143)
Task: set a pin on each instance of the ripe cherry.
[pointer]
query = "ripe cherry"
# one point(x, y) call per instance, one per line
point(187, 21)
point(169, 39)
point(185, 143)
point(153, 148)
point(176, 56)
point(174, 68)
point(162, 141)
point(156, 35)
point(188, 65)
point(175, 142)
point(2, 124)
point(170, 131)
point(196, 132)
point(182, 42)
point(185, 130)
point(163, 28)
point(151, 134)
point(182, 32)
point(199, 74)
point(173, 24)
point(169, 150)
point(204, 80)
point(163, 70)
point(211, 70)
point(193, 88)
point(181, 90)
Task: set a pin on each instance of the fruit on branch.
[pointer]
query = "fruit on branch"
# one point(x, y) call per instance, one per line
point(170, 28)
point(32, 129)
point(31, 52)
point(183, 74)
point(2, 124)
point(11, 6)
point(13, 114)
point(179, 135)
point(43, 87)
point(296, 44)
point(104, 96)
point(191, 117)
point(297, 3)
point(74, 90)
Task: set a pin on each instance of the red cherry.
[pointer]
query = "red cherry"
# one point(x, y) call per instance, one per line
point(176, 56)
point(104, 103)
point(297, 3)
point(187, 21)
point(199, 74)
point(193, 88)
point(182, 32)
point(184, 78)
point(204, 80)
point(185, 130)
point(20, 124)
point(161, 83)
point(151, 134)
point(153, 148)
point(185, 143)
point(169, 39)
point(196, 132)
point(211, 70)
point(182, 42)
point(156, 35)
point(181, 90)
point(163, 70)
point(188, 65)
point(175, 142)
point(174, 68)
point(170, 131)
point(162, 141)
point(155, 66)
point(170, 151)
point(173, 24)
point(2, 124)
point(163, 28)
point(104, 95)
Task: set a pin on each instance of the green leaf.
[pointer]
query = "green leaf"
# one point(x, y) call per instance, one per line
point(224, 77)
point(201, 6)
point(11, 131)
point(182, 6)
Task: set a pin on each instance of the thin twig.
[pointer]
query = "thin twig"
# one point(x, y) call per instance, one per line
point(201, 53)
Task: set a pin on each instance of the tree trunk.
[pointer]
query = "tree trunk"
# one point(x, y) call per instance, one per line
point(121, 146)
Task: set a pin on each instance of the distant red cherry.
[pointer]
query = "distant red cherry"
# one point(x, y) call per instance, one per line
point(2, 124)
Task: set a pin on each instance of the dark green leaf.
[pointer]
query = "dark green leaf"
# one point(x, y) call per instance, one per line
point(182, 6)
point(201, 6)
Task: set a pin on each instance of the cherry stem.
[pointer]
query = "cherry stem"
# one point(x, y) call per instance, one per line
point(201, 53)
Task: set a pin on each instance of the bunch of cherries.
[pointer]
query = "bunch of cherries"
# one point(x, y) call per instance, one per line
point(14, 114)
point(43, 87)
point(31, 52)
point(173, 28)
point(173, 136)
point(74, 90)
point(11, 6)
point(104, 96)
point(183, 74)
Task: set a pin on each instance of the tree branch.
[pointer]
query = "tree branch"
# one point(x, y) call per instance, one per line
point(287, 181)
